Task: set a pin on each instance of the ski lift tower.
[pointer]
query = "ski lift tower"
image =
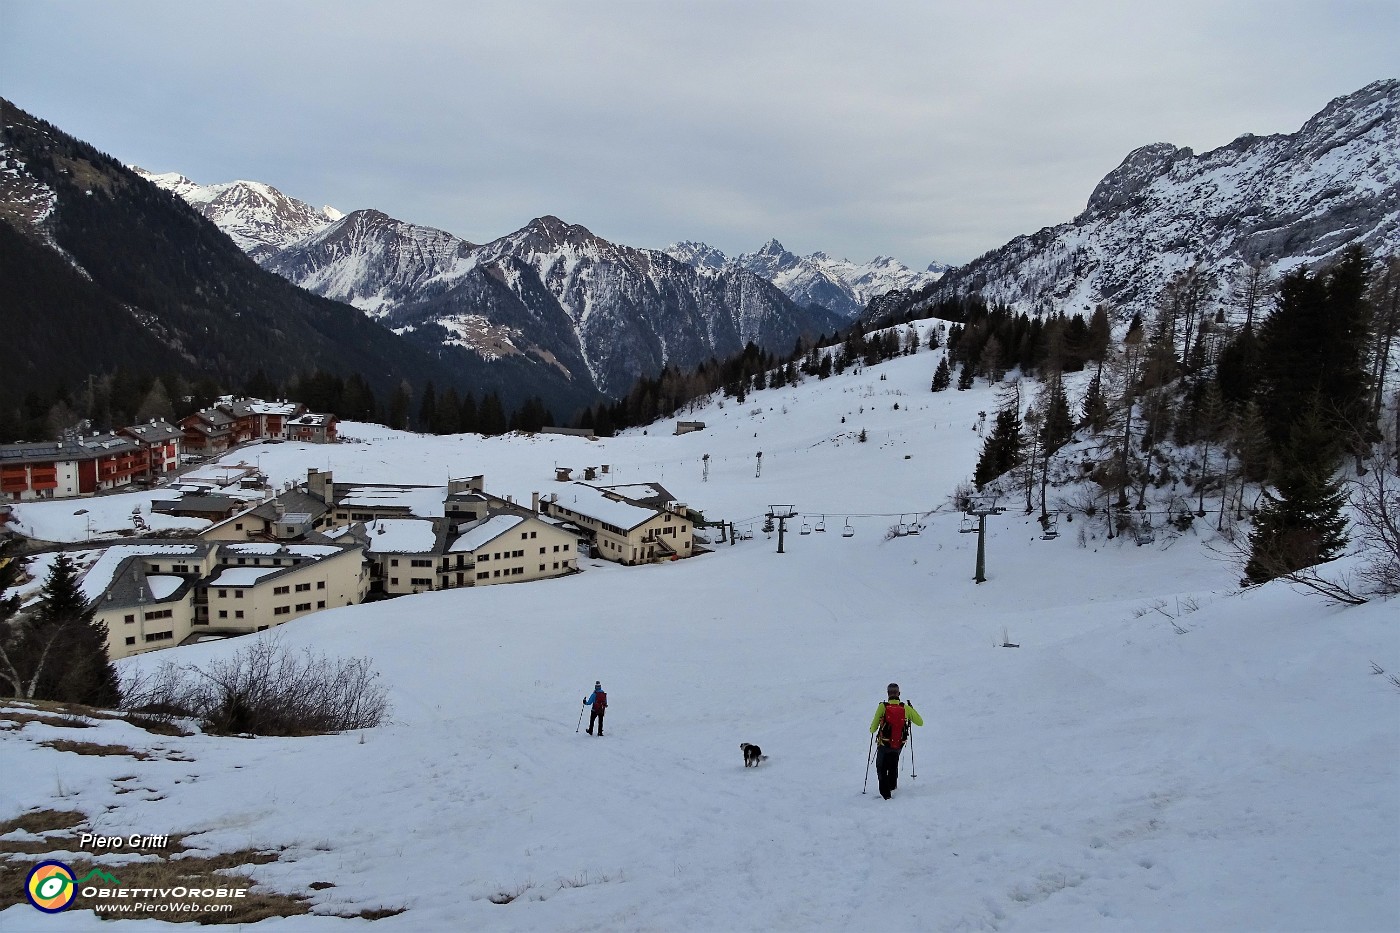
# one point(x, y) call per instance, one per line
point(780, 514)
point(982, 506)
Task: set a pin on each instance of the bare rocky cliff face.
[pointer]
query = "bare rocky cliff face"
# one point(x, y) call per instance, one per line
point(1281, 200)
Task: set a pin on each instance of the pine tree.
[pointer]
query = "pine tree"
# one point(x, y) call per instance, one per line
point(399, 404)
point(1001, 451)
point(941, 377)
point(1312, 351)
point(965, 377)
point(1058, 425)
point(1301, 523)
point(428, 410)
point(60, 653)
point(1095, 411)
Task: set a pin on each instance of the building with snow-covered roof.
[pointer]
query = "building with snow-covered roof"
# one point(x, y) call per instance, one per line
point(312, 428)
point(508, 547)
point(85, 465)
point(157, 595)
point(621, 528)
point(404, 554)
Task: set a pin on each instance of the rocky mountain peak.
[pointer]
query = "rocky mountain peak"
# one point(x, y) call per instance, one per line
point(1142, 166)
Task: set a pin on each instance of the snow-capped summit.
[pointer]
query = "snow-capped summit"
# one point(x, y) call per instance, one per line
point(256, 216)
point(839, 285)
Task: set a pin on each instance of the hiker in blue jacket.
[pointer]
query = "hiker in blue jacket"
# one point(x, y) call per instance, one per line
point(599, 701)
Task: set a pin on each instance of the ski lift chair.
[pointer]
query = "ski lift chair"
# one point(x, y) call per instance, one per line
point(915, 528)
point(1052, 530)
point(821, 525)
point(901, 529)
point(1143, 532)
point(806, 529)
point(968, 525)
point(848, 531)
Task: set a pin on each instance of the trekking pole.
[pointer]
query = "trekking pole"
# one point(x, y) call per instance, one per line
point(913, 769)
point(868, 756)
point(580, 720)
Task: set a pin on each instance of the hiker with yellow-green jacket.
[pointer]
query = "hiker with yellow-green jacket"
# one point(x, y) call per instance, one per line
point(891, 730)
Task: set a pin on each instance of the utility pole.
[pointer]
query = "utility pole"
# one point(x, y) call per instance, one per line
point(705, 476)
point(982, 507)
point(758, 470)
point(781, 513)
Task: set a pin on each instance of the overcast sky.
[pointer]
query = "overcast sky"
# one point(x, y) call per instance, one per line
point(925, 131)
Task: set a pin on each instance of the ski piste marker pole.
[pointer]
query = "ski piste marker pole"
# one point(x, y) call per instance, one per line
point(869, 755)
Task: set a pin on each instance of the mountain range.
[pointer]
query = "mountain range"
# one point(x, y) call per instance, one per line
point(815, 280)
point(1275, 202)
point(595, 310)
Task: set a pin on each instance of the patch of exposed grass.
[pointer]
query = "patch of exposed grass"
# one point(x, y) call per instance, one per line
point(93, 748)
point(42, 821)
point(22, 719)
point(375, 913)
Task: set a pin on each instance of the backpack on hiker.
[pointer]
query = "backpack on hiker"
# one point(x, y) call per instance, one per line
point(894, 725)
point(600, 701)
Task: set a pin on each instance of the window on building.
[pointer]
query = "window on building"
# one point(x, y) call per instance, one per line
point(281, 590)
point(238, 527)
point(542, 550)
point(320, 584)
point(238, 613)
point(421, 581)
point(282, 611)
point(237, 594)
point(495, 573)
point(131, 639)
point(130, 618)
point(159, 636)
point(516, 571)
point(542, 567)
point(303, 607)
point(483, 575)
point(223, 613)
point(422, 563)
point(320, 604)
point(532, 534)
point(242, 561)
point(303, 587)
point(394, 562)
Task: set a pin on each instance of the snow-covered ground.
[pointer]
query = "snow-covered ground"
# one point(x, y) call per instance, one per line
point(1161, 752)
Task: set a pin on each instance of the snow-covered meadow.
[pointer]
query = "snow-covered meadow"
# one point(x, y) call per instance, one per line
point(1161, 752)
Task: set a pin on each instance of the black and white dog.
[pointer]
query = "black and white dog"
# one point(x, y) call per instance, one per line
point(752, 754)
